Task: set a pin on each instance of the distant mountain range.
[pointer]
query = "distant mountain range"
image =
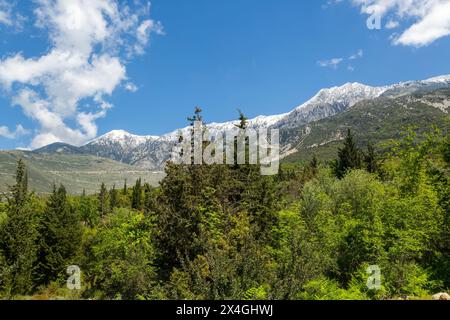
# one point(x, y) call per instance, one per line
point(152, 152)
point(318, 126)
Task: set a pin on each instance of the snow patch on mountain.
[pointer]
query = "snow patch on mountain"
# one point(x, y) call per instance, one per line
point(122, 137)
point(151, 152)
point(349, 93)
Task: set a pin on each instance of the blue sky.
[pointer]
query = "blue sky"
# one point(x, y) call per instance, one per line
point(262, 56)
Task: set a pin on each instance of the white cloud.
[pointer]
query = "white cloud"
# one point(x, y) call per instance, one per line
point(53, 128)
point(143, 32)
point(330, 3)
point(430, 18)
point(335, 62)
point(91, 43)
point(434, 25)
point(129, 86)
point(392, 24)
point(5, 13)
point(4, 18)
point(8, 17)
point(5, 132)
point(357, 55)
point(332, 63)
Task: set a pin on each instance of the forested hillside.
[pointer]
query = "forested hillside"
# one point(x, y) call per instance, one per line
point(226, 232)
point(378, 120)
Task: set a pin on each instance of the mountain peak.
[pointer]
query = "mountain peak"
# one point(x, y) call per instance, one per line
point(443, 78)
point(122, 136)
point(349, 93)
point(116, 134)
point(60, 148)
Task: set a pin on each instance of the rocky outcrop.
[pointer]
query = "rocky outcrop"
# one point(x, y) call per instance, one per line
point(441, 296)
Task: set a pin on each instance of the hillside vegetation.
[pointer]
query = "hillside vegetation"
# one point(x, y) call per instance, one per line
point(76, 172)
point(314, 231)
point(378, 121)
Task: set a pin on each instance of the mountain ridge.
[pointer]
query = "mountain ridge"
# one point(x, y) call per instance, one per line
point(338, 92)
point(151, 152)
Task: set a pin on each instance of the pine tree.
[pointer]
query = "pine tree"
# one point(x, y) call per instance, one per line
point(314, 166)
point(113, 198)
point(370, 159)
point(243, 121)
point(181, 209)
point(60, 238)
point(103, 201)
point(349, 157)
point(241, 139)
point(20, 190)
point(87, 210)
point(149, 200)
point(445, 150)
point(136, 197)
point(17, 238)
point(196, 117)
point(125, 188)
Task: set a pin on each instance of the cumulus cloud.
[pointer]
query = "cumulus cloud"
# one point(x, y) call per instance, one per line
point(429, 19)
point(5, 132)
point(91, 43)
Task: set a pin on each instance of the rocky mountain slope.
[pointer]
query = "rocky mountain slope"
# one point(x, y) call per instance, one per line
point(378, 120)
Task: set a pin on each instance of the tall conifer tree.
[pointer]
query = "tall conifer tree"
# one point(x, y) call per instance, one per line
point(349, 156)
point(136, 197)
point(60, 237)
point(18, 237)
point(103, 201)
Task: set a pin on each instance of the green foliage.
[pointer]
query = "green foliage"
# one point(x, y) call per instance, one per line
point(150, 200)
point(326, 289)
point(233, 268)
point(122, 256)
point(446, 150)
point(349, 156)
point(371, 160)
point(136, 197)
point(18, 235)
point(226, 232)
point(113, 198)
point(59, 238)
point(103, 205)
point(87, 208)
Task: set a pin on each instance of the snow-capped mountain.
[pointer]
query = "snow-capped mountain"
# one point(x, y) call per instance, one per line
point(417, 86)
point(128, 148)
point(329, 102)
point(151, 152)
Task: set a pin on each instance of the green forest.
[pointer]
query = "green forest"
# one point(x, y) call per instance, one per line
point(227, 232)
